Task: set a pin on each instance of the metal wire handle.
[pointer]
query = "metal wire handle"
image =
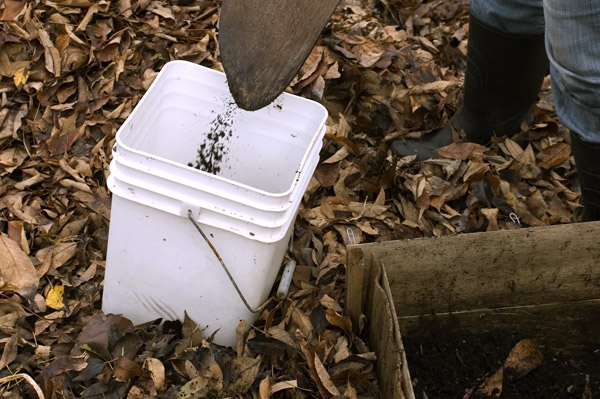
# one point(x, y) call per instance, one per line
point(260, 308)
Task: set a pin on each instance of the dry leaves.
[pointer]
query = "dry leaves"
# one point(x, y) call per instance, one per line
point(73, 70)
point(524, 357)
point(16, 269)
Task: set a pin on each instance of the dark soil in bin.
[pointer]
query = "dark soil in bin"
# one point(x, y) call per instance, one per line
point(446, 364)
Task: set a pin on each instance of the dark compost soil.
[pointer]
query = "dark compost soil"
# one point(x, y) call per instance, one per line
point(446, 364)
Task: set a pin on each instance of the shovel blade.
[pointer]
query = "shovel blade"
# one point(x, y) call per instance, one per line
point(263, 44)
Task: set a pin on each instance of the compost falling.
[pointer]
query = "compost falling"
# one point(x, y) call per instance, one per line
point(214, 149)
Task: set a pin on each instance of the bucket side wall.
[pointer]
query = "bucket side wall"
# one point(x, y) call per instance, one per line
point(159, 266)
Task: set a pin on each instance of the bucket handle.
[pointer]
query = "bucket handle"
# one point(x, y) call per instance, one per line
point(212, 247)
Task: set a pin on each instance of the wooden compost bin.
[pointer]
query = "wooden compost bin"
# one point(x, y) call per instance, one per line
point(543, 282)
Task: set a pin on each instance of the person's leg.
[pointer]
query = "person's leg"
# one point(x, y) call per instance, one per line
point(573, 44)
point(506, 64)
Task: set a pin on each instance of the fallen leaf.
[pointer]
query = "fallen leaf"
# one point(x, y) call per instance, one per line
point(340, 155)
point(32, 181)
point(157, 372)
point(492, 386)
point(265, 345)
point(124, 7)
point(525, 164)
point(10, 312)
point(126, 369)
point(94, 367)
point(244, 371)
point(264, 388)
point(63, 137)
point(283, 385)
point(51, 54)
point(475, 171)
point(42, 353)
point(280, 334)
point(12, 158)
point(554, 155)
point(492, 217)
point(63, 364)
point(350, 391)
point(434, 87)
point(367, 228)
point(309, 70)
point(16, 269)
point(341, 349)
point(9, 354)
point(55, 256)
point(461, 150)
point(20, 77)
point(111, 389)
point(16, 232)
point(202, 385)
point(309, 353)
point(367, 210)
point(302, 321)
point(12, 10)
point(327, 174)
point(318, 320)
point(54, 298)
point(104, 330)
point(159, 9)
point(537, 204)
point(192, 335)
point(342, 322)
point(330, 303)
point(240, 333)
point(97, 350)
point(511, 148)
point(324, 377)
point(368, 53)
point(524, 357)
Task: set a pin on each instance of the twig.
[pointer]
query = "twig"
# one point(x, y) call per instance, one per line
point(35, 314)
point(27, 378)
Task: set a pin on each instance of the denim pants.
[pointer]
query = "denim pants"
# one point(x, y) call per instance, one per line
point(572, 29)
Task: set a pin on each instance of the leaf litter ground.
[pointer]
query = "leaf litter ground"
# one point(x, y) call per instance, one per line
point(73, 70)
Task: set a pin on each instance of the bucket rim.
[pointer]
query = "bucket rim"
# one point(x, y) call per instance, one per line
point(116, 179)
point(259, 203)
point(319, 134)
point(269, 234)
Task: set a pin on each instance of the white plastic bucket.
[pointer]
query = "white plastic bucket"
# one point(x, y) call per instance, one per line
point(158, 265)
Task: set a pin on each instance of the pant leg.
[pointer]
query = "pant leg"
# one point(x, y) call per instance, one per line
point(573, 47)
point(518, 17)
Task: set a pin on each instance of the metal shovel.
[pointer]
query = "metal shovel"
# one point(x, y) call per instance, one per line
point(263, 44)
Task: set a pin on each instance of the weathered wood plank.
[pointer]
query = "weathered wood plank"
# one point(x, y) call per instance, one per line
point(569, 328)
point(356, 282)
point(496, 269)
point(384, 337)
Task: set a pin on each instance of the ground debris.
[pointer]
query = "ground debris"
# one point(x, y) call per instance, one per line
point(73, 70)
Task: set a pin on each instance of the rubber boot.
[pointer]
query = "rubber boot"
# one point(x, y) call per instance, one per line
point(587, 157)
point(503, 78)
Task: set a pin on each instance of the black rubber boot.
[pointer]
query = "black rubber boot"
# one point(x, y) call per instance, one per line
point(587, 160)
point(503, 78)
